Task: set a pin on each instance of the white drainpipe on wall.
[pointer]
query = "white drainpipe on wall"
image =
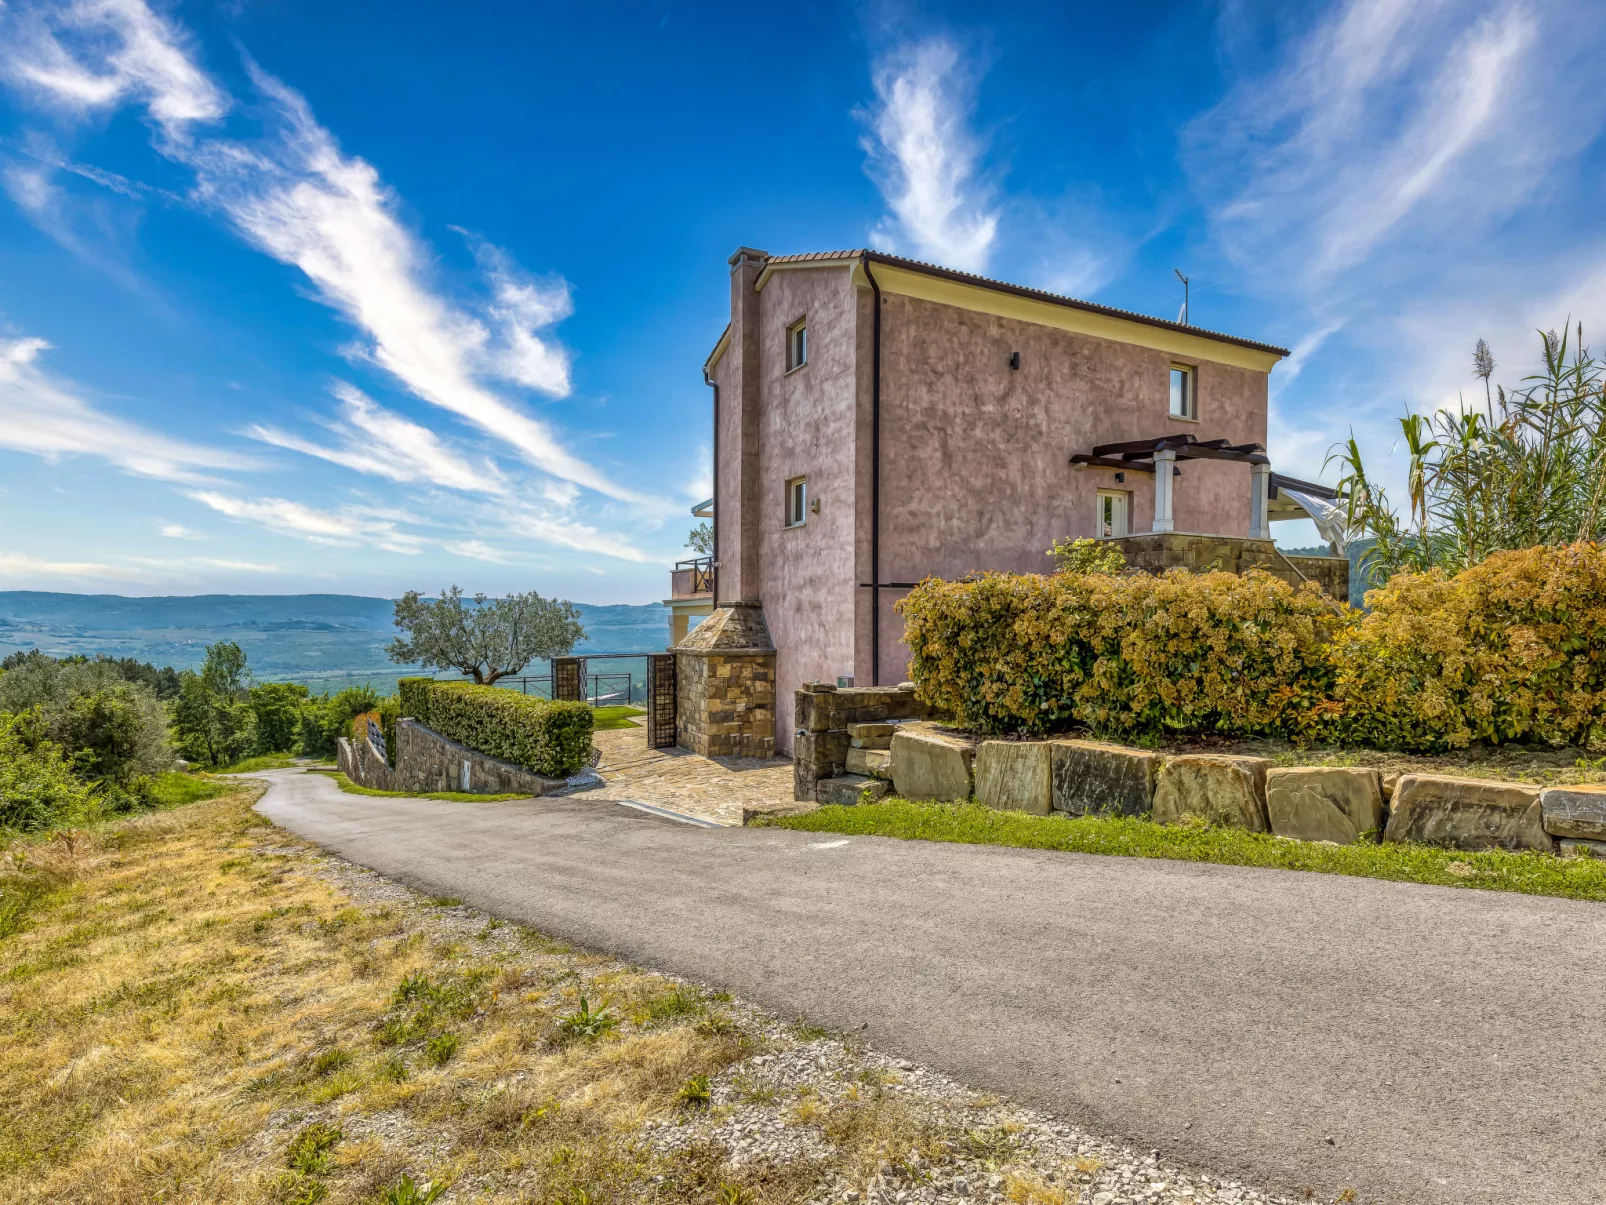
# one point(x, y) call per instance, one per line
point(1164, 461)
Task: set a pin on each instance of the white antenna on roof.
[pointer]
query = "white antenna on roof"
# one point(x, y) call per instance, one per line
point(1183, 317)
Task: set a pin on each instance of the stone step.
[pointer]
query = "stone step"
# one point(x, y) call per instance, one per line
point(876, 763)
point(850, 789)
point(872, 735)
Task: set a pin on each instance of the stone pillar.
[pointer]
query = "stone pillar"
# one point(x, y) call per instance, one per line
point(678, 624)
point(1259, 501)
point(1164, 462)
point(725, 685)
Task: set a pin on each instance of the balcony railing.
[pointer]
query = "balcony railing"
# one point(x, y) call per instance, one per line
point(692, 578)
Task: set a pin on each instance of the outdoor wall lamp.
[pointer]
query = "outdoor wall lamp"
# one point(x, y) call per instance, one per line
point(1014, 359)
point(814, 506)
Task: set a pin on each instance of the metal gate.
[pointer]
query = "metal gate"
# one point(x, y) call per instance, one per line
point(660, 700)
point(568, 679)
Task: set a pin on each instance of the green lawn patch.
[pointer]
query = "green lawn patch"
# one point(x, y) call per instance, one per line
point(263, 761)
point(603, 719)
point(174, 789)
point(970, 824)
point(351, 788)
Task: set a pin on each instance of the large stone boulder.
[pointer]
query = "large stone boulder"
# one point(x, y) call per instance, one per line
point(1574, 812)
point(1228, 791)
point(932, 763)
point(1015, 776)
point(1467, 813)
point(1095, 779)
point(1321, 803)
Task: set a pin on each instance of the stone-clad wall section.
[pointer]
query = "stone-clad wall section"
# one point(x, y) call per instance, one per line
point(725, 703)
point(426, 762)
point(1155, 552)
point(822, 714)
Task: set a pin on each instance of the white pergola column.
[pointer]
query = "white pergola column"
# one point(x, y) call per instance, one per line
point(1165, 462)
point(1259, 502)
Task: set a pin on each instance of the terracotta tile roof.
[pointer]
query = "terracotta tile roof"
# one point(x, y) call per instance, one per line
point(987, 282)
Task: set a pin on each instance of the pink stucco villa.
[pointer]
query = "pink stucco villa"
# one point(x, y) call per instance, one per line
point(879, 420)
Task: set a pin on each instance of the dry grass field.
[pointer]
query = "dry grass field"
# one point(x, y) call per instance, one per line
point(189, 1012)
point(197, 1007)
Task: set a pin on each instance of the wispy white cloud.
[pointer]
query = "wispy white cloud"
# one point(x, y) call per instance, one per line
point(523, 306)
point(177, 531)
point(478, 550)
point(19, 566)
point(344, 528)
point(296, 196)
point(45, 416)
point(1386, 120)
point(299, 198)
point(86, 55)
point(924, 156)
point(370, 439)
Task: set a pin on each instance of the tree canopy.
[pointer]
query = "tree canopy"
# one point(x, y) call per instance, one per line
point(483, 638)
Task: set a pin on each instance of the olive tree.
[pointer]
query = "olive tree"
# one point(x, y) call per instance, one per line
point(483, 638)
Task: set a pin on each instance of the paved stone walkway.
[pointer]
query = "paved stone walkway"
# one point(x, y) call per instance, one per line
point(726, 790)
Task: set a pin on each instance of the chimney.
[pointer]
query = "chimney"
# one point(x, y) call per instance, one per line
point(740, 580)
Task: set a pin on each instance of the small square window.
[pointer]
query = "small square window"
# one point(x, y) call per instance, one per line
point(797, 345)
point(1112, 517)
point(1184, 399)
point(797, 501)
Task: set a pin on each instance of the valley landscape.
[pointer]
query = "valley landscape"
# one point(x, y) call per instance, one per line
point(324, 641)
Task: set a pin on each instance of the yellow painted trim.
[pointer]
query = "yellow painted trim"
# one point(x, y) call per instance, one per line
point(980, 299)
point(719, 350)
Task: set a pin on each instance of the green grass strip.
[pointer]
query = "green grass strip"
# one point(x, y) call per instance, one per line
point(175, 789)
point(262, 761)
point(605, 719)
point(970, 824)
point(351, 788)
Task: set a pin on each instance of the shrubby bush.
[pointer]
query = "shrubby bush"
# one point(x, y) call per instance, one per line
point(1513, 649)
point(553, 739)
point(109, 725)
point(38, 788)
point(413, 695)
point(276, 707)
point(325, 718)
point(1128, 655)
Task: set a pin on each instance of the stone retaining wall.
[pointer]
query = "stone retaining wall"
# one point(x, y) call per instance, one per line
point(823, 712)
point(1157, 551)
point(1308, 803)
point(427, 762)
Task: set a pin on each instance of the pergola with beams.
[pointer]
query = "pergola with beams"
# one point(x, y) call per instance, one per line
point(1267, 497)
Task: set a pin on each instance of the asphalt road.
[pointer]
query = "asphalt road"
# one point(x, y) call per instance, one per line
point(1451, 1043)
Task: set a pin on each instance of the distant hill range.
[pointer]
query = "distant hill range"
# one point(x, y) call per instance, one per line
point(325, 640)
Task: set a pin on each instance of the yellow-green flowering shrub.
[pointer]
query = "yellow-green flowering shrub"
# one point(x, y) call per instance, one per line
point(1126, 655)
point(1511, 649)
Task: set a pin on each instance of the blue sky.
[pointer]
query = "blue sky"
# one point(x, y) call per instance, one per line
point(362, 298)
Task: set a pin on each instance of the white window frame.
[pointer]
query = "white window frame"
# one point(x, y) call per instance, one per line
point(797, 501)
point(797, 345)
point(1120, 504)
point(1190, 392)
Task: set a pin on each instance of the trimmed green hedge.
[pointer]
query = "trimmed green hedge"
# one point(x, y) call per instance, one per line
point(414, 696)
point(553, 739)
